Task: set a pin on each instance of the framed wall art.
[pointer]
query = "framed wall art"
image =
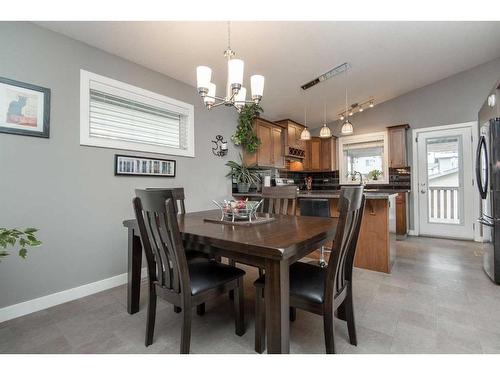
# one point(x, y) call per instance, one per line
point(126, 165)
point(24, 108)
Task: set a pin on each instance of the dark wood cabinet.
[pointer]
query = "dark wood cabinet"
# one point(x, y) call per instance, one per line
point(401, 223)
point(321, 154)
point(270, 153)
point(397, 146)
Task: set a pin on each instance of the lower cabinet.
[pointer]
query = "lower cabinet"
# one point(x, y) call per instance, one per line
point(401, 214)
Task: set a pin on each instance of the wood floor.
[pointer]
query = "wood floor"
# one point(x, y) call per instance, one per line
point(437, 300)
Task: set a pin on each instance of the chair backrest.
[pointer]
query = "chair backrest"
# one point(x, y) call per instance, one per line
point(178, 196)
point(278, 198)
point(161, 239)
point(339, 272)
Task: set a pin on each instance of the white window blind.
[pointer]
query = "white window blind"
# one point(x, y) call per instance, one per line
point(118, 115)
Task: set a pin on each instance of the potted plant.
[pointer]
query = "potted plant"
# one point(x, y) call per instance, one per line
point(243, 175)
point(13, 237)
point(374, 175)
point(245, 136)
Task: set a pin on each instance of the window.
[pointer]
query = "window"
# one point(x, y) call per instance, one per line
point(366, 154)
point(118, 115)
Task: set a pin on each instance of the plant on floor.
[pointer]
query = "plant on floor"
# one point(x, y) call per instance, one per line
point(245, 136)
point(15, 237)
point(243, 175)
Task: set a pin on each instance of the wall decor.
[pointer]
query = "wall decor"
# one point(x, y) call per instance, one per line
point(220, 146)
point(127, 165)
point(24, 108)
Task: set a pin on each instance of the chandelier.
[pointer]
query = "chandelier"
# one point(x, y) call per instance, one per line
point(235, 93)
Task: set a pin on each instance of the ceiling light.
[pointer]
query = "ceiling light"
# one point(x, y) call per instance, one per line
point(361, 109)
point(305, 135)
point(347, 127)
point(325, 131)
point(235, 93)
point(371, 104)
point(341, 117)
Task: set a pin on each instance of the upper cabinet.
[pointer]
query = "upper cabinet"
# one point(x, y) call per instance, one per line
point(397, 146)
point(321, 154)
point(270, 153)
point(294, 146)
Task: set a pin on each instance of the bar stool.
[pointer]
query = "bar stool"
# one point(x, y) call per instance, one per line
point(319, 208)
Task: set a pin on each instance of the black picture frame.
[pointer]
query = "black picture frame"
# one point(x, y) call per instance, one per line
point(119, 169)
point(45, 133)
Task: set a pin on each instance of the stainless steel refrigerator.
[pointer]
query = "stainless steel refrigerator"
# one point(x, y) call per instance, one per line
point(488, 181)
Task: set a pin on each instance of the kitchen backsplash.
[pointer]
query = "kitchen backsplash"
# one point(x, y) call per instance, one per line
point(399, 178)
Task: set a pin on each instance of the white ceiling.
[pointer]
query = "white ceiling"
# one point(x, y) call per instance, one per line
point(387, 59)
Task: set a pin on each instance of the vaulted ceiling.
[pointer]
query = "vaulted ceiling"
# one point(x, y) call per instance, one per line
point(387, 59)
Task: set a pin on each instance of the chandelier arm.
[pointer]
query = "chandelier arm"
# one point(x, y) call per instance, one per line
point(217, 104)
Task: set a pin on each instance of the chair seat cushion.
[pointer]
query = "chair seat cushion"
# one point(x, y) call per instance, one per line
point(209, 275)
point(307, 281)
point(194, 256)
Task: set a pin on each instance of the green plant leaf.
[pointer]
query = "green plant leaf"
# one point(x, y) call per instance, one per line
point(23, 252)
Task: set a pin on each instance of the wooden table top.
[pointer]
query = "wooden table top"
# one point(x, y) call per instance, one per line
point(282, 238)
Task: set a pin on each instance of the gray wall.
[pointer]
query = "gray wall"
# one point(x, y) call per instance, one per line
point(69, 191)
point(452, 100)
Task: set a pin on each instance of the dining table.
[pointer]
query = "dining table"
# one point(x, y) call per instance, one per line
point(273, 246)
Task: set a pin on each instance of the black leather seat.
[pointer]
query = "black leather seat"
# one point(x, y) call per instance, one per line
point(207, 275)
point(307, 281)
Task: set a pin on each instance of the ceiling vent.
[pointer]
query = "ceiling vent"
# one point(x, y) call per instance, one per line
point(331, 73)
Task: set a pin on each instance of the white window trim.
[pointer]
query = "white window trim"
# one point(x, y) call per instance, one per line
point(172, 104)
point(358, 139)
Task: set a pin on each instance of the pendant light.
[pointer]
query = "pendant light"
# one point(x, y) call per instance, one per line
point(325, 131)
point(305, 135)
point(347, 127)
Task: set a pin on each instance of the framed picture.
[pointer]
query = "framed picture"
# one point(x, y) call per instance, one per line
point(143, 166)
point(24, 108)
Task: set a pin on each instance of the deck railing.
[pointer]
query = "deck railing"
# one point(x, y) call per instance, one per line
point(443, 205)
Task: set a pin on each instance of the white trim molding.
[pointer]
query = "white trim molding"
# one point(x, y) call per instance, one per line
point(41, 303)
point(135, 94)
point(369, 137)
point(414, 183)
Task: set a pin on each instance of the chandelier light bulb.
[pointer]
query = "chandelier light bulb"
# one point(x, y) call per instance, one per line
point(257, 86)
point(203, 78)
point(351, 113)
point(209, 100)
point(240, 97)
point(361, 109)
point(341, 118)
point(371, 104)
point(235, 73)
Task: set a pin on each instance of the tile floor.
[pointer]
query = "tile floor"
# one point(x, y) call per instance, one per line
point(437, 300)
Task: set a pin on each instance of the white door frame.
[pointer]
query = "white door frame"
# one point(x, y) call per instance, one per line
point(414, 183)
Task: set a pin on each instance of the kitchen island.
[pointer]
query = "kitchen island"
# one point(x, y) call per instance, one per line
point(377, 237)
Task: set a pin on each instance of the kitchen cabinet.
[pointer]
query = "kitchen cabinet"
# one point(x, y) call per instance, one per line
point(294, 146)
point(401, 214)
point(270, 153)
point(397, 146)
point(321, 154)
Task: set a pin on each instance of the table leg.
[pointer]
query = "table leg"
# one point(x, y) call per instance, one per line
point(134, 272)
point(277, 294)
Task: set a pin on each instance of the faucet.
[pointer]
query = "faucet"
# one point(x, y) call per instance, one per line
point(360, 177)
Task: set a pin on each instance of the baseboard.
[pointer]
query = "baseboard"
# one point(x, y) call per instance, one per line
point(412, 232)
point(41, 303)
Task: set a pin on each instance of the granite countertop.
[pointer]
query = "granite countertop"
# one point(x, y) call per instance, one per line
point(379, 194)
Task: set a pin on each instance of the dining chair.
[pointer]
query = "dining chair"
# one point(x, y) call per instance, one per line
point(277, 200)
point(170, 275)
point(320, 290)
point(178, 197)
